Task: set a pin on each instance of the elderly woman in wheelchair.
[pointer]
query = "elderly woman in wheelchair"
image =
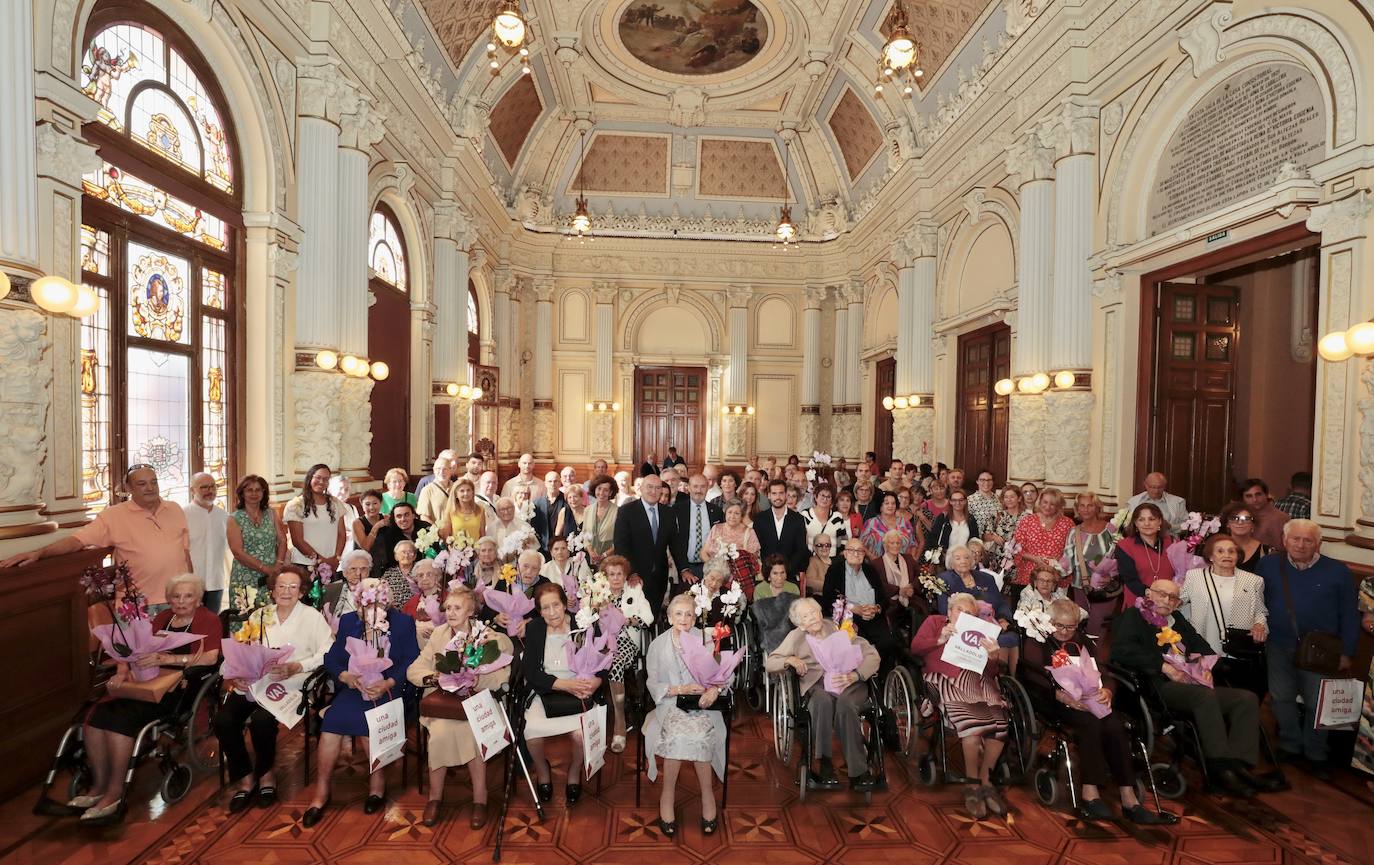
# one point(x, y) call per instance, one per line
point(677, 733)
point(829, 711)
point(971, 702)
point(1103, 743)
point(113, 726)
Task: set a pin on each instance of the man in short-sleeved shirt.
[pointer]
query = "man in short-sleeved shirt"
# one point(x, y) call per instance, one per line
point(147, 532)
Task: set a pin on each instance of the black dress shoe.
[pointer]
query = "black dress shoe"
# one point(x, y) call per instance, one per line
point(313, 815)
point(1266, 783)
point(1228, 782)
point(572, 793)
point(1140, 815)
point(824, 777)
point(373, 803)
point(667, 827)
point(862, 783)
point(267, 797)
point(544, 792)
point(1095, 809)
point(239, 801)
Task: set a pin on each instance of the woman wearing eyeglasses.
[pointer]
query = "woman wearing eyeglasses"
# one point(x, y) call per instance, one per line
point(1238, 522)
point(1227, 719)
point(1103, 747)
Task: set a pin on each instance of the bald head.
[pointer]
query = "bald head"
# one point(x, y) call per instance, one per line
point(1155, 482)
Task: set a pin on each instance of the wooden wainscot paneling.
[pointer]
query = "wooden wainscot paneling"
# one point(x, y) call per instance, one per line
point(47, 642)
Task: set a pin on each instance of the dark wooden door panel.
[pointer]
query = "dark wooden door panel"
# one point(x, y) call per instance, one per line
point(980, 426)
point(669, 411)
point(1194, 414)
point(886, 374)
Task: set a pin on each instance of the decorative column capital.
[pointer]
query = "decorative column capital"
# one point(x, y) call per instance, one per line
point(1343, 219)
point(605, 291)
point(362, 123)
point(853, 291)
point(815, 296)
point(64, 157)
point(919, 241)
point(283, 261)
point(520, 288)
point(504, 280)
point(1029, 159)
point(543, 287)
point(451, 222)
point(738, 295)
point(321, 88)
point(1071, 131)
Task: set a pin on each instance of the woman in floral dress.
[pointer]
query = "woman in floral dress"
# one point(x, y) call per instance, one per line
point(638, 614)
point(257, 540)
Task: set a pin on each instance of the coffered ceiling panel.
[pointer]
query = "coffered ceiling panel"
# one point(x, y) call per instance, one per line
point(460, 23)
point(514, 116)
point(625, 164)
point(856, 133)
point(734, 168)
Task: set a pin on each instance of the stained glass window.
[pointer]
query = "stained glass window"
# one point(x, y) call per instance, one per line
point(157, 358)
point(95, 402)
point(159, 417)
point(135, 195)
point(95, 251)
point(472, 314)
point(386, 255)
point(172, 114)
point(157, 294)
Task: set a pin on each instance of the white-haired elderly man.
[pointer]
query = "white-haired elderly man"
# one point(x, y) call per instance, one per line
point(207, 525)
point(1305, 593)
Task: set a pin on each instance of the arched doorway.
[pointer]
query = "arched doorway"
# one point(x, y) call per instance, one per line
point(388, 340)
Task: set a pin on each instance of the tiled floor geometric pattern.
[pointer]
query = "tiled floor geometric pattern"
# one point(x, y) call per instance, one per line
point(763, 824)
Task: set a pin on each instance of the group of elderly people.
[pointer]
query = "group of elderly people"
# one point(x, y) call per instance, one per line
point(389, 592)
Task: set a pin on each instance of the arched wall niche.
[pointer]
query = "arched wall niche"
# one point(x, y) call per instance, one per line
point(980, 264)
point(880, 310)
point(1303, 37)
point(775, 323)
point(672, 331)
point(633, 318)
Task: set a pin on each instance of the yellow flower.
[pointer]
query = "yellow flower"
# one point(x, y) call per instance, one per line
point(848, 628)
point(508, 572)
point(249, 632)
point(1168, 637)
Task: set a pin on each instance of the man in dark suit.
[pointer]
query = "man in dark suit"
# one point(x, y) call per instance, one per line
point(782, 531)
point(695, 516)
point(649, 466)
point(870, 595)
point(404, 526)
point(672, 460)
point(644, 530)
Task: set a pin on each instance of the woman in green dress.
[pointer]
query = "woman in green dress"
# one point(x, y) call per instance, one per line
point(1364, 741)
point(257, 540)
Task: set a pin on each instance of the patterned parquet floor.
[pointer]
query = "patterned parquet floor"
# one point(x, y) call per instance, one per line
point(763, 824)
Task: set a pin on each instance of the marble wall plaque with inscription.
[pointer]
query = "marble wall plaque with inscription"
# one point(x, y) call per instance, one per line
point(1232, 143)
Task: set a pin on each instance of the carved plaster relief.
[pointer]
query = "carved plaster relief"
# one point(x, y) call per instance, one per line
point(26, 379)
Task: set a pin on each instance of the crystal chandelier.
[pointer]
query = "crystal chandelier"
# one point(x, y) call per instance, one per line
point(582, 219)
point(897, 61)
point(510, 31)
point(786, 231)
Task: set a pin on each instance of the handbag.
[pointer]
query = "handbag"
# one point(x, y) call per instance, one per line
point(439, 703)
point(692, 703)
point(561, 704)
point(1318, 651)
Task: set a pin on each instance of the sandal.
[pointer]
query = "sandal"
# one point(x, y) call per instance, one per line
point(973, 801)
point(667, 827)
point(708, 827)
point(617, 744)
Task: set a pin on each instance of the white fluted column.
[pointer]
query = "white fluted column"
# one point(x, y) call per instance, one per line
point(1069, 410)
point(735, 427)
point(358, 131)
point(449, 349)
point(603, 374)
point(839, 372)
point(18, 189)
point(810, 427)
point(854, 378)
point(543, 367)
point(1032, 163)
point(913, 427)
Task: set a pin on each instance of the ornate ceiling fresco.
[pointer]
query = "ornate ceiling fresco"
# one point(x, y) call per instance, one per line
point(690, 104)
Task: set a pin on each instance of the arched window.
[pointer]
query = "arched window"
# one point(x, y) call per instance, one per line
point(474, 327)
point(159, 244)
point(385, 254)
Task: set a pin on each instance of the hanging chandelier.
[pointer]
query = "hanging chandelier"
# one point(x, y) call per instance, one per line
point(582, 219)
point(897, 61)
point(510, 32)
point(786, 230)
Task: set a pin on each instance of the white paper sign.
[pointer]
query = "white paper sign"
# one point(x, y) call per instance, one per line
point(593, 740)
point(277, 698)
point(965, 648)
point(489, 725)
point(386, 733)
point(1338, 704)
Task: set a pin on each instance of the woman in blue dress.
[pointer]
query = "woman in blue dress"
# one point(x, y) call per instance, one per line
point(392, 632)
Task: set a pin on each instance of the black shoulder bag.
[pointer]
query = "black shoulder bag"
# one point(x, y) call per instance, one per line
point(1318, 651)
point(1236, 643)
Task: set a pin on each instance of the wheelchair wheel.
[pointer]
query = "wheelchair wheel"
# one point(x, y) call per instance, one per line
point(1024, 729)
point(784, 721)
point(198, 739)
point(929, 770)
point(1047, 786)
point(1169, 781)
point(176, 783)
point(899, 698)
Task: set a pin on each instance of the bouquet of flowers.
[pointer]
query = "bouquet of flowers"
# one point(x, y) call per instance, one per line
point(515, 606)
point(249, 662)
point(578, 544)
point(1080, 679)
point(1118, 521)
point(843, 616)
point(731, 599)
point(428, 542)
point(838, 655)
point(709, 669)
point(928, 574)
point(1196, 668)
point(455, 558)
point(817, 465)
point(593, 593)
point(118, 592)
point(467, 657)
point(366, 661)
point(594, 655)
point(1036, 623)
point(130, 636)
point(1008, 563)
point(525, 510)
point(1104, 574)
point(1193, 532)
point(255, 624)
point(513, 543)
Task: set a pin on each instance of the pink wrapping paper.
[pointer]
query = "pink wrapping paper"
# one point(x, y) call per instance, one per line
point(1104, 572)
point(702, 664)
point(137, 639)
point(364, 663)
point(837, 656)
point(1182, 560)
point(1082, 682)
point(592, 657)
point(248, 662)
point(514, 604)
point(1198, 671)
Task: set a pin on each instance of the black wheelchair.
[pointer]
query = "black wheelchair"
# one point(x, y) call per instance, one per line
point(792, 730)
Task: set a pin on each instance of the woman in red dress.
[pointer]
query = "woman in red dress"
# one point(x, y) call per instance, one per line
point(1041, 536)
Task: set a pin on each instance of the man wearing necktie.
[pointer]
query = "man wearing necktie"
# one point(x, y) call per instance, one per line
point(644, 532)
point(695, 516)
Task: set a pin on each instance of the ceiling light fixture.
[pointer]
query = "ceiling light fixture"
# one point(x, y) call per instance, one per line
point(786, 230)
point(897, 61)
point(582, 219)
point(509, 26)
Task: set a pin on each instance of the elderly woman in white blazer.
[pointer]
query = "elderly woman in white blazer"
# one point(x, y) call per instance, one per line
point(1222, 596)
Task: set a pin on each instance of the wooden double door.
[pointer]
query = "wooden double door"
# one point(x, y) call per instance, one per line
point(670, 406)
point(980, 426)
